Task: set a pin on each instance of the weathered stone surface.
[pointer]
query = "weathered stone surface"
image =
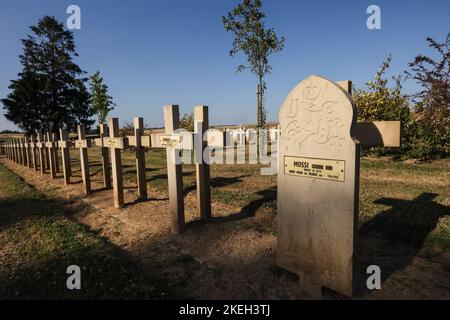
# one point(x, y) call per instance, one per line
point(378, 133)
point(274, 134)
point(318, 180)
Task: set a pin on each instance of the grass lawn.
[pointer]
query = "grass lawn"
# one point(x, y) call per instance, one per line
point(416, 195)
point(38, 241)
point(404, 212)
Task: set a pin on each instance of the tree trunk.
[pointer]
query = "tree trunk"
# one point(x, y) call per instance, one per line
point(259, 112)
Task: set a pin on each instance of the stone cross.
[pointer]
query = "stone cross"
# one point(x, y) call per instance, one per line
point(64, 144)
point(29, 151)
point(201, 125)
point(51, 145)
point(46, 152)
point(139, 141)
point(26, 156)
point(14, 150)
point(116, 143)
point(41, 146)
point(7, 149)
point(175, 141)
point(17, 151)
point(33, 152)
point(105, 156)
point(21, 151)
point(11, 150)
point(25, 151)
point(274, 134)
point(83, 144)
point(240, 136)
point(250, 135)
point(55, 151)
point(174, 171)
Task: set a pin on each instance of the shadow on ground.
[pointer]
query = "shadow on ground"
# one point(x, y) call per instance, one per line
point(39, 239)
point(394, 237)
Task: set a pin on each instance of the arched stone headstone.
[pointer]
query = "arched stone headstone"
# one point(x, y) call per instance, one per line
point(318, 179)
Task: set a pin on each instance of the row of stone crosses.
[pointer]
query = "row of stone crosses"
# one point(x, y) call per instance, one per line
point(41, 153)
point(317, 176)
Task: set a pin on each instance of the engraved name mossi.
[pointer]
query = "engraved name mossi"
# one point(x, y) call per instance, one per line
point(325, 169)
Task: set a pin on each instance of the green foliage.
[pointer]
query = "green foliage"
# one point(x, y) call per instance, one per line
point(43, 241)
point(8, 131)
point(251, 37)
point(127, 129)
point(102, 103)
point(378, 101)
point(50, 91)
point(426, 126)
point(432, 111)
point(187, 122)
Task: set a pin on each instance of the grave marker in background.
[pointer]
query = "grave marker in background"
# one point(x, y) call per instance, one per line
point(18, 153)
point(33, 152)
point(20, 149)
point(64, 145)
point(274, 134)
point(116, 143)
point(41, 147)
point(140, 157)
point(174, 171)
point(105, 155)
point(83, 144)
point(51, 154)
point(55, 151)
point(201, 124)
point(46, 153)
point(11, 149)
point(26, 145)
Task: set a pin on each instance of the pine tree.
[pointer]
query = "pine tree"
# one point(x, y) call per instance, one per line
point(102, 103)
point(50, 91)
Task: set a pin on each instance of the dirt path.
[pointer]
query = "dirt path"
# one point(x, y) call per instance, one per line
point(229, 258)
point(232, 257)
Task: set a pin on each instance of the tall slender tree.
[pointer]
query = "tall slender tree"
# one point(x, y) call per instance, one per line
point(246, 22)
point(50, 91)
point(102, 103)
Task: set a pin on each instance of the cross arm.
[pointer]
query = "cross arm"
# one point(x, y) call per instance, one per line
point(378, 133)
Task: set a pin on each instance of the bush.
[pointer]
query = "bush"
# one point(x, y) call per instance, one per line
point(432, 114)
point(187, 122)
point(380, 102)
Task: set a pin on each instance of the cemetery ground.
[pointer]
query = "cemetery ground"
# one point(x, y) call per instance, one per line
point(131, 253)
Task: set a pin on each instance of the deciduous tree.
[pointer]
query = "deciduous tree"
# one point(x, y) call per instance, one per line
point(246, 22)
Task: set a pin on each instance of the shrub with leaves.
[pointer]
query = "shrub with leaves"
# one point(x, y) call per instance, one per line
point(432, 111)
point(187, 122)
point(379, 101)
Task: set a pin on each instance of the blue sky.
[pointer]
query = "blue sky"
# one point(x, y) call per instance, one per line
point(158, 52)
